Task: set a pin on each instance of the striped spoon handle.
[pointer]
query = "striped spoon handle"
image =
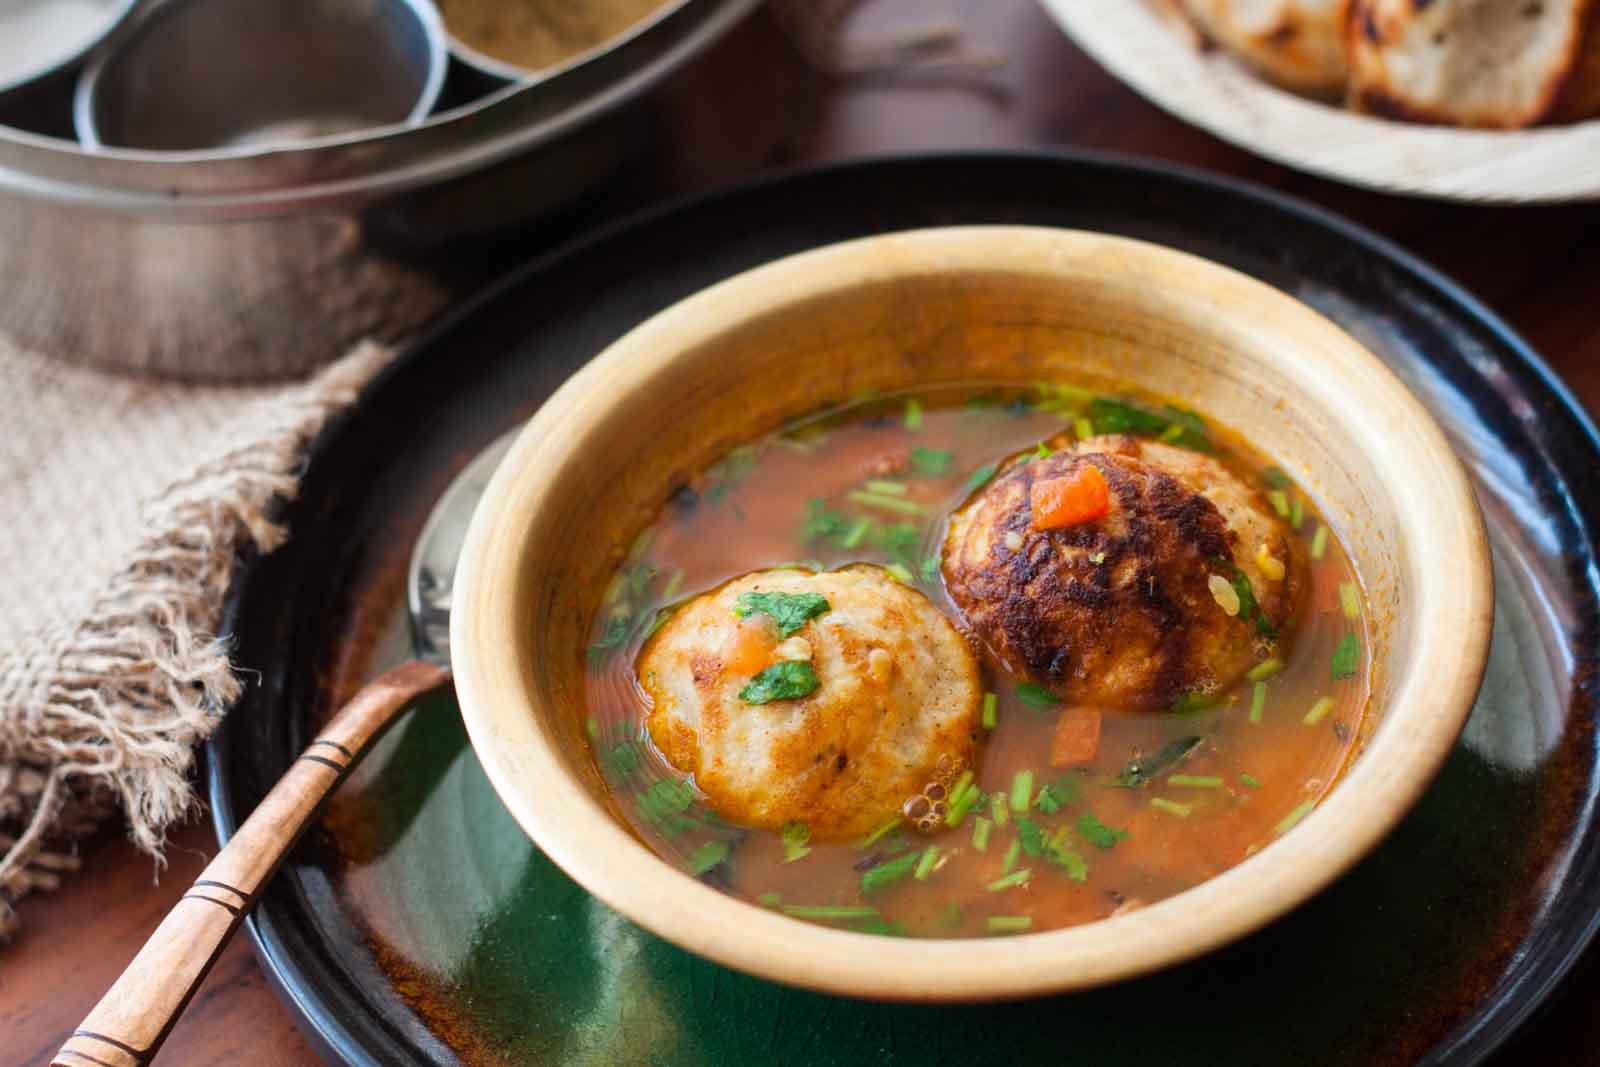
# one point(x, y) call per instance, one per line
point(128, 1025)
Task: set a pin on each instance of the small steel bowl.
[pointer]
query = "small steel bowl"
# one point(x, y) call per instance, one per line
point(48, 62)
point(195, 74)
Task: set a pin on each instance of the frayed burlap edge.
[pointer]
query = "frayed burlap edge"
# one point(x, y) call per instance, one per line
point(106, 714)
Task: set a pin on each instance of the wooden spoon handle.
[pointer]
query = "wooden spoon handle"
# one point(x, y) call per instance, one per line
point(128, 1025)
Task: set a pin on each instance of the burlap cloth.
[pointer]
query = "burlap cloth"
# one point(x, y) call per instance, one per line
point(126, 504)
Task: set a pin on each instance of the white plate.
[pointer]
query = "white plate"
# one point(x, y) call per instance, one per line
point(1143, 48)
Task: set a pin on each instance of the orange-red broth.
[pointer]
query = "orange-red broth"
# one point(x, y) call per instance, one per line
point(757, 508)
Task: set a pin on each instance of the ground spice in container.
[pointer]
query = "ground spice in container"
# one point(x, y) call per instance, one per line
point(537, 34)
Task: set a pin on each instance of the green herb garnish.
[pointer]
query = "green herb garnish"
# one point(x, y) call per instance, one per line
point(623, 758)
point(991, 710)
point(1280, 502)
point(1319, 542)
point(1115, 416)
point(980, 833)
point(830, 911)
point(1008, 924)
point(902, 540)
point(1010, 859)
point(978, 477)
point(1140, 770)
point(1195, 781)
point(930, 856)
point(1036, 696)
point(931, 462)
point(999, 809)
point(1301, 811)
point(889, 872)
point(1258, 701)
point(822, 523)
point(614, 636)
point(1032, 836)
point(1250, 781)
point(1346, 656)
point(1265, 669)
point(1098, 833)
point(913, 414)
point(1350, 600)
point(1319, 711)
point(1275, 478)
point(884, 502)
point(1171, 807)
point(1021, 791)
point(1193, 702)
point(790, 611)
point(708, 856)
point(789, 680)
point(852, 537)
point(1062, 855)
point(1016, 878)
point(796, 841)
point(883, 829)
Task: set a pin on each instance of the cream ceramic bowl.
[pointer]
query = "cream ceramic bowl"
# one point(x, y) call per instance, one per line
point(960, 304)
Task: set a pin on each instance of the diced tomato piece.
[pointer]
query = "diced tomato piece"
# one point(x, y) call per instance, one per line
point(1079, 497)
point(1077, 737)
point(749, 649)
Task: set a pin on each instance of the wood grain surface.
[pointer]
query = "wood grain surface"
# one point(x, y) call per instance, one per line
point(748, 106)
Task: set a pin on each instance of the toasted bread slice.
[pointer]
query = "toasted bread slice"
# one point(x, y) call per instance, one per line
point(1491, 63)
point(1299, 44)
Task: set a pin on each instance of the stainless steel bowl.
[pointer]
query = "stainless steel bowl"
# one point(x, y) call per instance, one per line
point(195, 74)
point(259, 262)
point(48, 61)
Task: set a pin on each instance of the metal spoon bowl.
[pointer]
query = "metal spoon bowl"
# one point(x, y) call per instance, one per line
point(128, 1025)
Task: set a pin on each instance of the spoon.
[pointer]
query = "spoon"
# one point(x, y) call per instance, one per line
point(128, 1025)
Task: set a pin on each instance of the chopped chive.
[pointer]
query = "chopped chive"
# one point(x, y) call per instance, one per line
point(960, 804)
point(1319, 711)
point(999, 808)
point(1007, 924)
point(1258, 701)
point(1265, 669)
point(1012, 853)
point(1195, 781)
point(1350, 600)
point(1301, 811)
point(913, 414)
point(770, 900)
point(1022, 791)
point(593, 727)
point(1036, 696)
point(1010, 881)
point(961, 784)
point(887, 503)
point(796, 841)
point(1250, 781)
point(1275, 478)
point(1319, 542)
point(853, 536)
point(882, 831)
point(830, 911)
point(980, 833)
point(902, 572)
point(991, 710)
point(1297, 513)
point(889, 872)
point(674, 583)
point(1083, 428)
point(1171, 807)
point(708, 856)
point(929, 570)
point(886, 488)
point(950, 918)
point(1280, 503)
point(1345, 657)
point(1043, 451)
point(930, 856)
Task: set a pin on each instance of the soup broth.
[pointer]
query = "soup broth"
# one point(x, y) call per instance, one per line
point(1167, 799)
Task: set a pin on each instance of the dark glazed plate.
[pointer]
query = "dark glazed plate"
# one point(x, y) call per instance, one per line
point(418, 924)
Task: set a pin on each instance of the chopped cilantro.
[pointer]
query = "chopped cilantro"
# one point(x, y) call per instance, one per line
point(614, 636)
point(1141, 769)
point(931, 461)
point(928, 571)
point(1275, 478)
point(1032, 836)
point(1345, 656)
point(624, 758)
point(789, 680)
point(790, 611)
point(1063, 855)
point(1115, 416)
point(796, 841)
point(1036, 696)
point(902, 540)
point(708, 856)
point(913, 414)
point(1098, 833)
point(821, 523)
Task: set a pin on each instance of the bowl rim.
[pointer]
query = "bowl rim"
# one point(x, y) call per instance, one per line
point(576, 832)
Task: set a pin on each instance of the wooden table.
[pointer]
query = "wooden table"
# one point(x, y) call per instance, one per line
point(750, 105)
